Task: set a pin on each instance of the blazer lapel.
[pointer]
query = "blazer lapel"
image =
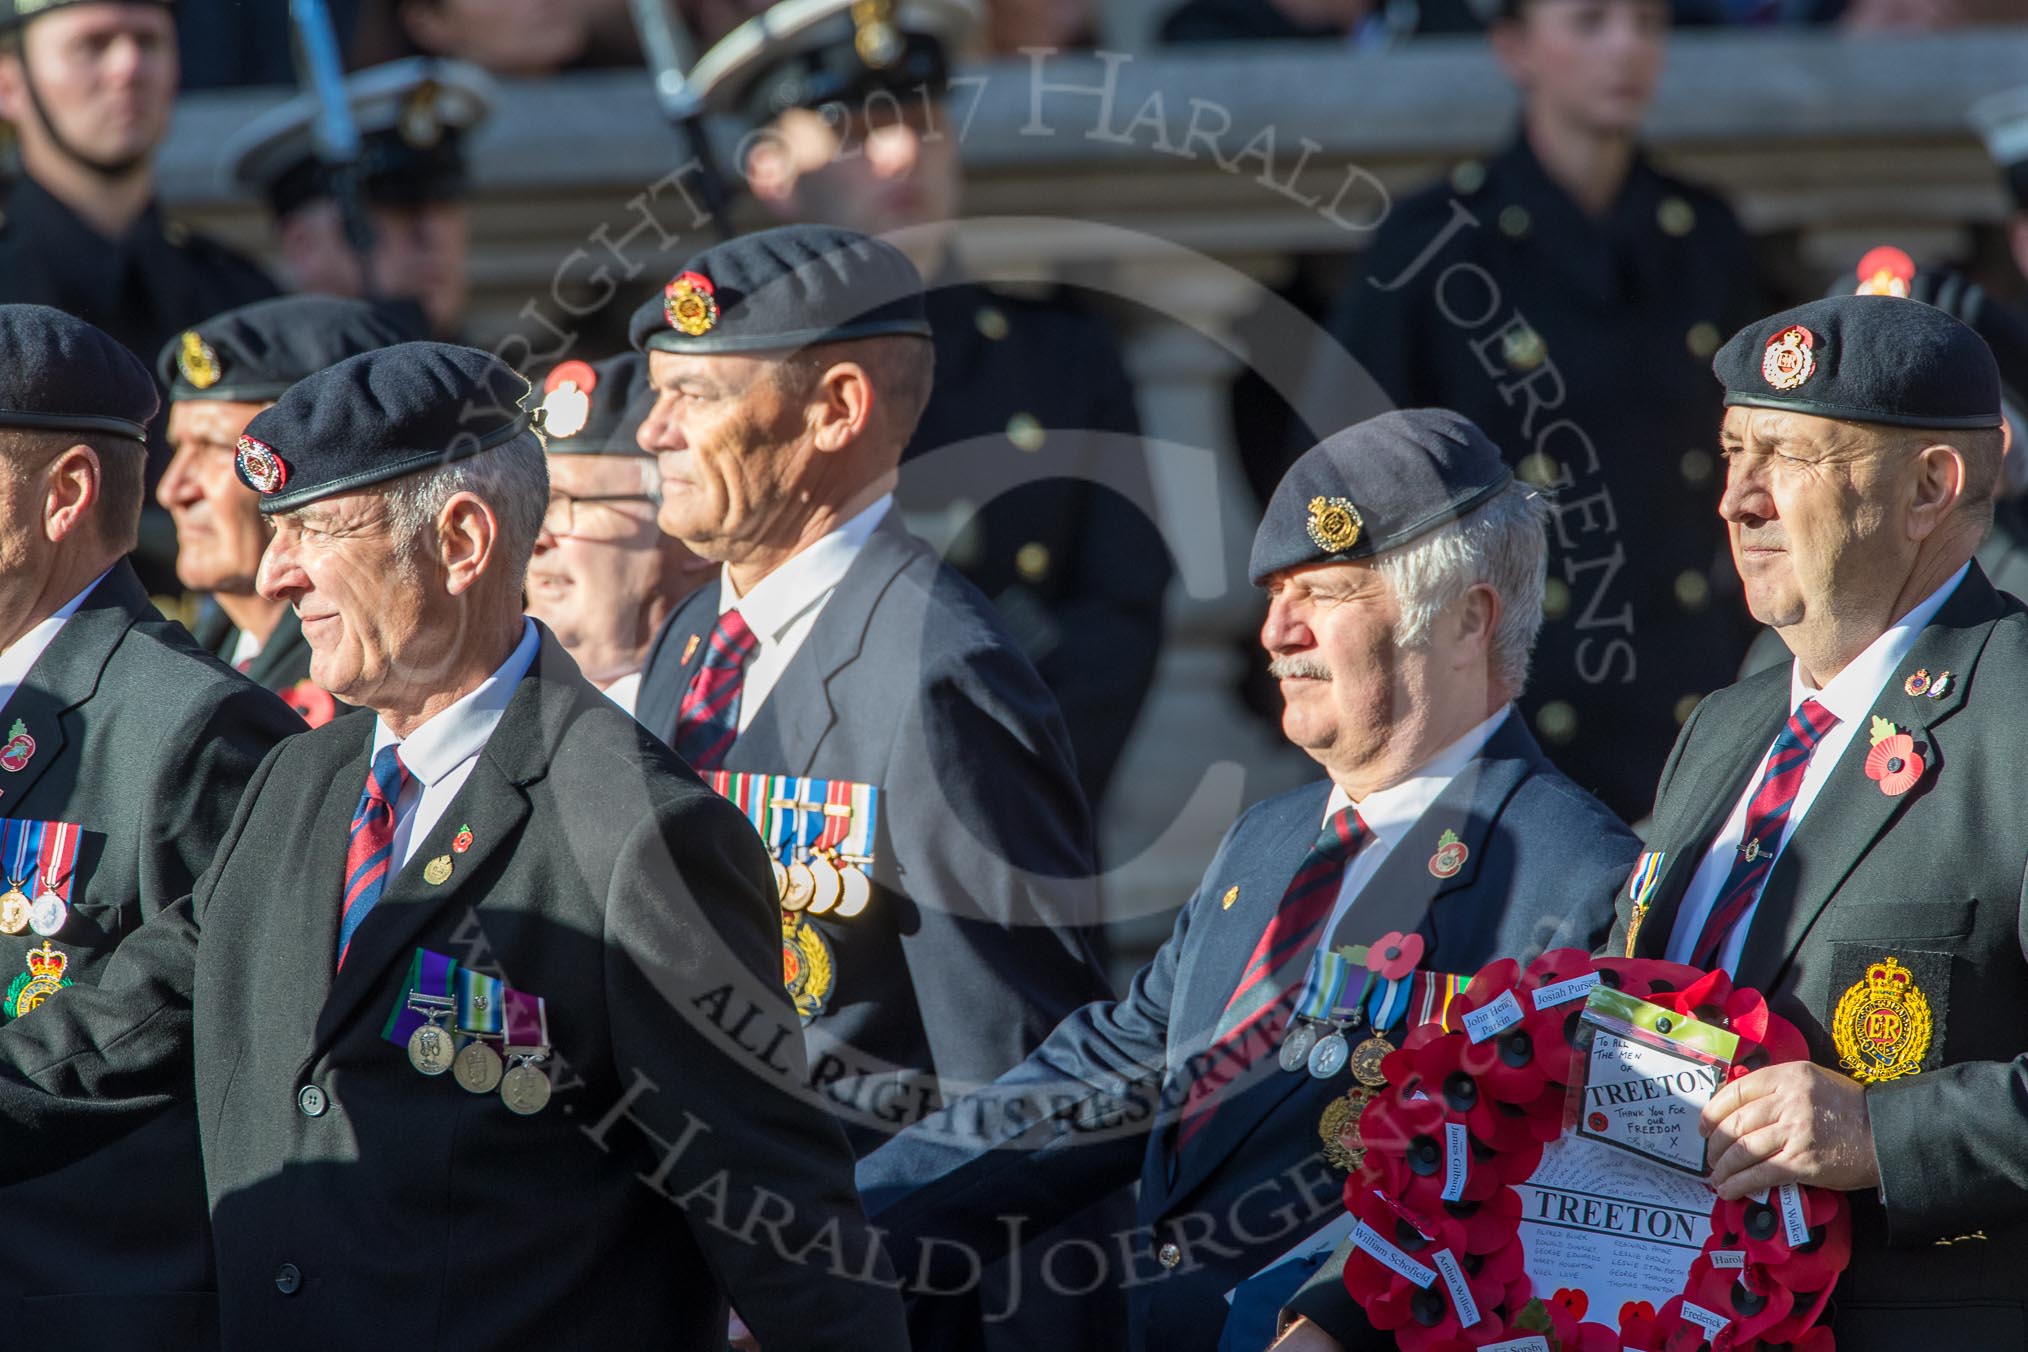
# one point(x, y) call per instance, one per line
point(495, 803)
point(678, 652)
point(1851, 811)
point(65, 675)
point(324, 865)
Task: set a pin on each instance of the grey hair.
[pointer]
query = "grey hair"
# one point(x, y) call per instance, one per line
point(512, 479)
point(1504, 544)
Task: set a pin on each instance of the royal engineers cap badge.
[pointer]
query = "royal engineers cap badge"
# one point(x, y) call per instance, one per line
point(43, 979)
point(691, 304)
point(1787, 361)
point(259, 467)
point(1882, 1025)
point(1334, 524)
point(197, 362)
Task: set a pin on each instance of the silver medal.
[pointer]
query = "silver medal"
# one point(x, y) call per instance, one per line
point(1328, 1057)
point(430, 1050)
point(478, 1068)
point(1296, 1046)
point(47, 915)
point(525, 1089)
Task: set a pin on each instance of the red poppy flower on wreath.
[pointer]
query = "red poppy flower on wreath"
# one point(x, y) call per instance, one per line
point(1394, 955)
point(1893, 763)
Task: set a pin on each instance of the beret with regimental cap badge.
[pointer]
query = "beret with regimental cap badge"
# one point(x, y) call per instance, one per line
point(595, 408)
point(1375, 486)
point(14, 13)
point(379, 416)
point(784, 289)
point(64, 375)
point(809, 53)
point(254, 353)
point(1870, 358)
point(412, 116)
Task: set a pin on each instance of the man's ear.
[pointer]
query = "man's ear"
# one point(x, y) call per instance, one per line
point(1941, 475)
point(71, 491)
point(468, 534)
point(843, 402)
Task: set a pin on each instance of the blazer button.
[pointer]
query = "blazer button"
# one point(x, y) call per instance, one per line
point(312, 1101)
point(288, 1279)
point(1168, 1255)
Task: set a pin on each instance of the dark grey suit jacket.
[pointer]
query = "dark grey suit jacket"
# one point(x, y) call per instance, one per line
point(146, 743)
point(1936, 872)
point(388, 1209)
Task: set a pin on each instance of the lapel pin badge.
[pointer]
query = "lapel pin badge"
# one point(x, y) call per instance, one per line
point(690, 647)
point(1231, 895)
point(1893, 762)
point(463, 840)
point(1917, 684)
point(1450, 855)
point(1941, 686)
point(438, 871)
point(19, 747)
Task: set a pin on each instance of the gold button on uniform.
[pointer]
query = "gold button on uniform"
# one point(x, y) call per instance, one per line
point(1168, 1255)
point(1695, 466)
point(1025, 432)
point(1514, 221)
point(1468, 178)
point(1676, 216)
point(1555, 599)
point(1032, 561)
point(1685, 707)
point(1556, 721)
point(1524, 349)
point(1693, 589)
point(1702, 339)
point(1540, 470)
point(992, 322)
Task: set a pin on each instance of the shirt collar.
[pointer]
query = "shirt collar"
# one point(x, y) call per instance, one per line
point(781, 598)
point(1851, 693)
point(1390, 812)
point(450, 738)
point(44, 630)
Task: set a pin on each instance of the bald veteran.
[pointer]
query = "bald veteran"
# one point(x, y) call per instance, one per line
point(1403, 566)
point(219, 375)
point(123, 750)
point(437, 988)
point(1846, 832)
point(866, 705)
point(604, 578)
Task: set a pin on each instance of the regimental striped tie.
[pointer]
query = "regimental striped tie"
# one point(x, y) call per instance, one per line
point(708, 721)
point(1257, 1012)
point(1766, 816)
point(369, 853)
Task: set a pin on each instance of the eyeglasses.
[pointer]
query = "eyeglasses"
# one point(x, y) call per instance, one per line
point(563, 517)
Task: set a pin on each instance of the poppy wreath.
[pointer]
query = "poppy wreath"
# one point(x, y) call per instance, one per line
point(1509, 1092)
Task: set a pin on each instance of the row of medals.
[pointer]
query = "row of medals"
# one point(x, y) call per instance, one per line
point(1324, 1054)
point(823, 884)
point(45, 915)
point(477, 1067)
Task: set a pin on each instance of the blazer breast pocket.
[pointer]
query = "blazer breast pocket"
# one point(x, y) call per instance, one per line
point(1888, 922)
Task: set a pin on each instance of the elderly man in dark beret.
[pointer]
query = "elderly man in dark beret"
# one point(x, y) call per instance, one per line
point(604, 578)
point(125, 749)
point(1846, 832)
point(445, 988)
point(219, 375)
point(1403, 566)
point(903, 761)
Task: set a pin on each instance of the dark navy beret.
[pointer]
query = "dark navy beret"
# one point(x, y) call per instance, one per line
point(252, 354)
point(64, 375)
point(1374, 486)
point(783, 289)
point(14, 13)
point(592, 409)
point(1877, 359)
point(379, 416)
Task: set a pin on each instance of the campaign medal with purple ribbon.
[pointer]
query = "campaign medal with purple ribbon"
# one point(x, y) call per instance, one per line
point(525, 1087)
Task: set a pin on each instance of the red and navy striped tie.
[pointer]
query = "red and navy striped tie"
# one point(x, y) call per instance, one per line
point(1257, 1012)
point(369, 853)
point(1766, 816)
point(708, 720)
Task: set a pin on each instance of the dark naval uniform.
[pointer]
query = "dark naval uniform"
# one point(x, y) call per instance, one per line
point(126, 731)
point(1929, 876)
point(1032, 423)
point(1225, 1204)
point(356, 1202)
point(1581, 345)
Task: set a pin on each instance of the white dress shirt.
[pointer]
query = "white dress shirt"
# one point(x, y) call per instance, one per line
point(1392, 812)
point(625, 691)
point(440, 754)
point(20, 655)
point(1850, 696)
point(783, 607)
point(245, 649)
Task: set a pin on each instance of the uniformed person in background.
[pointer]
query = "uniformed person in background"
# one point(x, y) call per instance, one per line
point(126, 750)
point(89, 86)
point(494, 863)
point(604, 577)
point(1567, 296)
point(868, 707)
point(1027, 468)
point(219, 374)
point(413, 117)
